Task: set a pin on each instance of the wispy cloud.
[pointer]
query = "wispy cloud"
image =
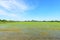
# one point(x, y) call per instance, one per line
point(14, 8)
point(13, 4)
point(3, 13)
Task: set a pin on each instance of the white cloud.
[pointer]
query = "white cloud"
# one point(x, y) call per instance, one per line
point(3, 13)
point(14, 7)
point(20, 5)
point(13, 4)
point(5, 4)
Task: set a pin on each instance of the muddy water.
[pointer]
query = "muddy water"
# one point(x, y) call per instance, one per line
point(30, 34)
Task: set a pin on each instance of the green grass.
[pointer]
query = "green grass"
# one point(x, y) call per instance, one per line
point(39, 25)
point(30, 30)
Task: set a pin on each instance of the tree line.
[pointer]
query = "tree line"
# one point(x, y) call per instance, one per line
point(28, 21)
point(43, 21)
point(6, 20)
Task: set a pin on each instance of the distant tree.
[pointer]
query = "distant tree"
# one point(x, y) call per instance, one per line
point(34, 21)
point(44, 21)
point(3, 20)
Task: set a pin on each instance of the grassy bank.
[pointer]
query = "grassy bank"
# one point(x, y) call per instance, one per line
point(30, 25)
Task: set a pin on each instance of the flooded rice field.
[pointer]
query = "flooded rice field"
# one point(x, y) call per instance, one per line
point(30, 34)
point(30, 31)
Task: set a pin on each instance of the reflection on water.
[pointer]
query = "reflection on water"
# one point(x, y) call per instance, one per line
point(3, 26)
point(30, 34)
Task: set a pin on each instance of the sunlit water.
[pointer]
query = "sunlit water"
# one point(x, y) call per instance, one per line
point(30, 34)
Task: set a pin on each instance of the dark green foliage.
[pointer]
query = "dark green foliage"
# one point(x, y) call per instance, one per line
point(28, 21)
point(3, 20)
point(42, 21)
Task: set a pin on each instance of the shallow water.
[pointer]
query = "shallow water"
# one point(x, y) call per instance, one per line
point(30, 34)
point(26, 33)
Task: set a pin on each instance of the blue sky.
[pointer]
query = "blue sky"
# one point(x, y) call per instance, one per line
point(30, 9)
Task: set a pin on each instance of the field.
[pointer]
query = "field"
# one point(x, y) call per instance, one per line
point(30, 31)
